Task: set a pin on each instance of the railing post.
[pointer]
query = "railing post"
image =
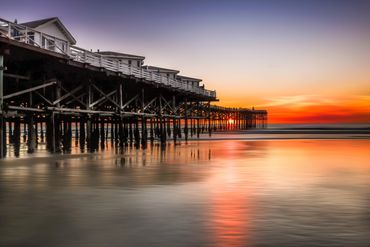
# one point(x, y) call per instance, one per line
point(41, 40)
point(68, 49)
point(55, 44)
point(26, 36)
point(9, 30)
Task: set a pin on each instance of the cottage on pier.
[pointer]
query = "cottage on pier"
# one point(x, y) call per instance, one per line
point(191, 82)
point(50, 34)
point(169, 73)
point(127, 59)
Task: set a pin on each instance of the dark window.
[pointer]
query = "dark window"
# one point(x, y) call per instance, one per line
point(129, 62)
point(138, 63)
point(51, 45)
point(31, 38)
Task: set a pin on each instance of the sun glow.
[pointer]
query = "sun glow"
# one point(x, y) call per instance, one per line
point(231, 121)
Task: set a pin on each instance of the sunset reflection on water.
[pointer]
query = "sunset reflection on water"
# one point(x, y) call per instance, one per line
point(206, 193)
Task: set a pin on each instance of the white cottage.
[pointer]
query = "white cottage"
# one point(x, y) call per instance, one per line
point(169, 73)
point(191, 82)
point(127, 59)
point(53, 34)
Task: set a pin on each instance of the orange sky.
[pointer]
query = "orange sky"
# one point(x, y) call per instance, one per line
point(310, 108)
point(314, 109)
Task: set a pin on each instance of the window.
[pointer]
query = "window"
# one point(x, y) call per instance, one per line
point(31, 38)
point(43, 42)
point(138, 63)
point(51, 45)
point(129, 62)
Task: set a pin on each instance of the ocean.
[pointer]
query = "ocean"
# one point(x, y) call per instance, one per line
point(236, 189)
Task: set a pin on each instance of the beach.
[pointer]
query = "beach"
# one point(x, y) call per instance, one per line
point(237, 189)
point(185, 123)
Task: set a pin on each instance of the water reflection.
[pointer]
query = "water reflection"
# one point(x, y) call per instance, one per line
point(208, 193)
point(228, 218)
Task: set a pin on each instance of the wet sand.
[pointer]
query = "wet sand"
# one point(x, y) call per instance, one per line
point(301, 192)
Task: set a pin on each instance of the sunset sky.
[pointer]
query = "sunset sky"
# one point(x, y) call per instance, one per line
point(303, 61)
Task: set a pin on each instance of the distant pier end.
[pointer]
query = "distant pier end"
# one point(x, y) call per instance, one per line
point(53, 91)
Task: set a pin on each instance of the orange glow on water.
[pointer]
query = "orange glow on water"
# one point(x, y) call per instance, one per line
point(228, 218)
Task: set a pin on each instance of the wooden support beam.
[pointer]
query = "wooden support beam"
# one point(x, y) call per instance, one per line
point(129, 102)
point(120, 88)
point(76, 98)
point(67, 95)
point(167, 104)
point(20, 77)
point(44, 98)
point(174, 125)
point(106, 96)
point(21, 108)
point(149, 104)
point(2, 118)
point(139, 114)
point(72, 95)
point(103, 99)
point(61, 109)
point(2, 68)
point(29, 90)
point(186, 129)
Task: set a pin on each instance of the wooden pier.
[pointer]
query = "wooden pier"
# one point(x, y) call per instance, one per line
point(54, 92)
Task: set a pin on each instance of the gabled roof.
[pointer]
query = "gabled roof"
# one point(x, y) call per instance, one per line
point(159, 69)
point(189, 78)
point(119, 55)
point(38, 23)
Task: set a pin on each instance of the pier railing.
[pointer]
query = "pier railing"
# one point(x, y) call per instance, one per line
point(30, 36)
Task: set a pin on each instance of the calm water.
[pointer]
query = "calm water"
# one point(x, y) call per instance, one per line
point(206, 193)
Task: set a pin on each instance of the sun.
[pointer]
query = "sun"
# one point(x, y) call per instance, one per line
point(230, 121)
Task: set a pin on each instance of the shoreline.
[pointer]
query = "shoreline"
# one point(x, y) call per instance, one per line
point(299, 131)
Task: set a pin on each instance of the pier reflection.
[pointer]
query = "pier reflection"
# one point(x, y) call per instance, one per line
point(204, 193)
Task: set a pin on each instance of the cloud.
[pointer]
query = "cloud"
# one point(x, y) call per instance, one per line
point(297, 101)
